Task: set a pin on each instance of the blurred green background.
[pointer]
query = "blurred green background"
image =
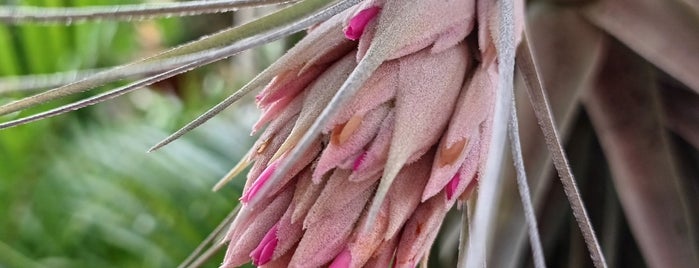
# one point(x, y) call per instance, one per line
point(79, 190)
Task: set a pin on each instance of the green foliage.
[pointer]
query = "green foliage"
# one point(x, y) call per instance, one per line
point(80, 190)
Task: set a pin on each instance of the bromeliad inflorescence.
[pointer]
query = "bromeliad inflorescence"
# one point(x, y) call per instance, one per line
point(393, 155)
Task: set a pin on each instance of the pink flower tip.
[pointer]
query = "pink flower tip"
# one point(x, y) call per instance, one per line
point(257, 185)
point(342, 260)
point(358, 162)
point(358, 22)
point(451, 186)
point(263, 253)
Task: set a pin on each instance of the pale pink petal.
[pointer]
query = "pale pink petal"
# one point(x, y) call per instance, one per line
point(324, 240)
point(363, 244)
point(301, 163)
point(468, 171)
point(266, 149)
point(405, 27)
point(335, 154)
point(420, 231)
point(279, 118)
point(317, 97)
point(379, 89)
point(325, 44)
point(488, 14)
point(374, 158)
point(298, 166)
point(404, 195)
point(385, 254)
point(337, 193)
point(473, 109)
point(429, 85)
point(287, 85)
point(247, 235)
point(305, 196)
point(288, 233)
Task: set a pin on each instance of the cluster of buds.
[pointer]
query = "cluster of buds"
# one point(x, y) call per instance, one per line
point(374, 187)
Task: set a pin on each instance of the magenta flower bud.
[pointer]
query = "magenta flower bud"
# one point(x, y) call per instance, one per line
point(263, 252)
point(358, 22)
point(451, 186)
point(252, 191)
point(342, 261)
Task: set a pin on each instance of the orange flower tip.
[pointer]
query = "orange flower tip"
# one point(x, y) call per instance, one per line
point(358, 23)
point(341, 133)
point(451, 186)
point(263, 253)
point(262, 147)
point(257, 185)
point(449, 155)
point(342, 260)
point(359, 161)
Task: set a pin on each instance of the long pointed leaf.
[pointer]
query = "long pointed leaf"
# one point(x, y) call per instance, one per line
point(491, 180)
point(663, 32)
point(215, 55)
point(567, 50)
point(268, 23)
point(23, 14)
point(523, 185)
point(542, 110)
point(626, 113)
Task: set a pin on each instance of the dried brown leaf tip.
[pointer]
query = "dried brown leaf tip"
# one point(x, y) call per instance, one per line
point(376, 184)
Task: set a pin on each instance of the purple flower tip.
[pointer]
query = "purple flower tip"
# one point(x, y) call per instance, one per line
point(357, 23)
point(342, 260)
point(263, 253)
point(451, 186)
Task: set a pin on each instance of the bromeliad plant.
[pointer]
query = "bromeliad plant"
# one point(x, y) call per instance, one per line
point(390, 112)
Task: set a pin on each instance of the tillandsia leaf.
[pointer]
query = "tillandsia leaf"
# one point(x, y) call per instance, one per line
point(210, 239)
point(671, 45)
point(293, 19)
point(214, 55)
point(681, 112)
point(567, 61)
point(626, 112)
point(24, 14)
point(33, 82)
point(286, 63)
point(30, 83)
point(235, 171)
point(523, 185)
point(542, 109)
point(693, 4)
point(504, 36)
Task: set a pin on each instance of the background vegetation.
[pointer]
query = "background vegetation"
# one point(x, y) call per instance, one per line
point(80, 190)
